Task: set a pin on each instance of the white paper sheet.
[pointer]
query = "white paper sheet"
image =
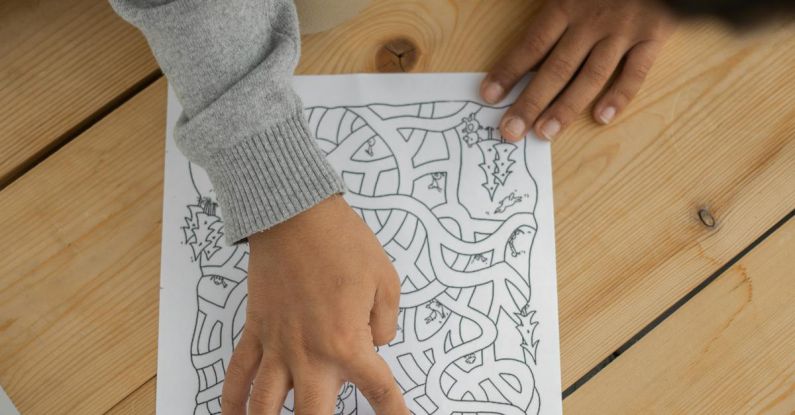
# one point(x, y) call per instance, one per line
point(466, 217)
point(6, 406)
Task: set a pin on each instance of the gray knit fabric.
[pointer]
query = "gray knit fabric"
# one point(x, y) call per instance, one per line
point(230, 63)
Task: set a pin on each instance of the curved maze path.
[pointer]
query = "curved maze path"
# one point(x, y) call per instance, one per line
point(452, 204)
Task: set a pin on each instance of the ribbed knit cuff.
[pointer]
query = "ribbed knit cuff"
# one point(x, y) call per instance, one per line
point(270, 177)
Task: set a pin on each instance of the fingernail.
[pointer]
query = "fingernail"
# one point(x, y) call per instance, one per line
point(515, 127)
point(607, 114)
point(550, 128)
point(492, 92)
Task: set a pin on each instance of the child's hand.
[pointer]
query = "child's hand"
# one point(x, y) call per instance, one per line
point(564, 36)
point(321, 294)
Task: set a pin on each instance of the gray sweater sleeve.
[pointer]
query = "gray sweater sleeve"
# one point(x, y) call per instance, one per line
point(230, 63)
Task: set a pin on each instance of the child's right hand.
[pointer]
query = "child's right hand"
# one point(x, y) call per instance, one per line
point(580, 48)
point(321, 294)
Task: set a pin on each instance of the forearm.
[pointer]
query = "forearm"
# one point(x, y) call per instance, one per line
point(230, 63)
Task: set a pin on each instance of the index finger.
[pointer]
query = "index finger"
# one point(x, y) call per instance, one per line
point(556, 71)
point(241, 370)
point(544, 31)
point(316, 389)
point(372, 376)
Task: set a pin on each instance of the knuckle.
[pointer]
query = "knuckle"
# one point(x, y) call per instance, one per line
point(622, 93)
point(257, 403)
point(378, 394)
point(559, 9)
point(561, 69)
point(640, 69)
point(234, 371)
point(597, 71)
point(529, 107)
point(625, 27)
point(534, 45)
point(310, 397)
point(231, 405)
point(392, 297)
point(334, 348)
point(393, 277)
point(565, 110)
point(661, 29)
point(385, 336)
point(298, 341)
point(346, 345)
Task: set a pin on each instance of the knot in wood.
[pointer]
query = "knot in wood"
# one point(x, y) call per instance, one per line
point(397, 55)
point(706, 218)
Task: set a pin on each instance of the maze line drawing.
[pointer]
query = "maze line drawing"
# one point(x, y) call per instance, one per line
point(453, 205)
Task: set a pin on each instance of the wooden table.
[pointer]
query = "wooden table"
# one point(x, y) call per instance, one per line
point(676, 248)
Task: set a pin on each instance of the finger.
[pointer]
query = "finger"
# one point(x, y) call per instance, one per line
point(638, 62)
point(544, 31)
point(270, 388)
point(384, 315)
point(372, 376)
point(237, 381)
point(556, 71)
point(316, 390)
point(594, 75)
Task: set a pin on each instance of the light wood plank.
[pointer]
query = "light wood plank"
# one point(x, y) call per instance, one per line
point(79, 282)
point(730, 350)
point(60, 62)
point(140, 402)
point(442, 36)
point(715, 129)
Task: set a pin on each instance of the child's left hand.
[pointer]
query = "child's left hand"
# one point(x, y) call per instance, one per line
point(578, 46)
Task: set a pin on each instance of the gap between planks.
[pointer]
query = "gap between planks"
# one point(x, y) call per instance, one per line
point(78, 129)
point(118, 406)
point(674, 307)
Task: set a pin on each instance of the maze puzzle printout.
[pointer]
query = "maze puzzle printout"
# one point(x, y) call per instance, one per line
point(465, 217)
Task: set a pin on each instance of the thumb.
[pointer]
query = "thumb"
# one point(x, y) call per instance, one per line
point(384, 314)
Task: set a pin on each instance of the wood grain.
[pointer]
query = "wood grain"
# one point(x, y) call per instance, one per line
point(61, 62)
point(78, 296)
point(716, 135)
point(438, 36)
point(713, 129)
point(730, 350)
point(141, 401)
